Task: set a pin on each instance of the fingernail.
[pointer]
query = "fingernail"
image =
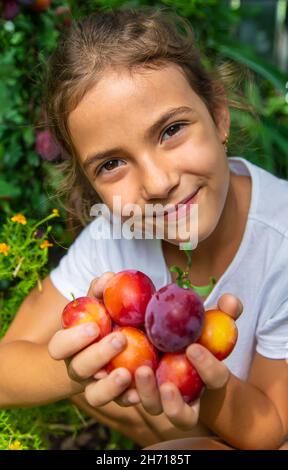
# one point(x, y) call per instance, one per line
point(167, 394)
point(100, 375)
point(117, 343)
point(91, 330)
point(133, 399)
point(195, 353)
point(120, 379)
point(145, 377)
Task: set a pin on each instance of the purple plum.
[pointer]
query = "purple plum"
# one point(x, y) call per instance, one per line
point(174, 318)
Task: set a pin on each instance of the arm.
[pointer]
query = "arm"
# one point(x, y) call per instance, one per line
point(25, 343)
point(22, 385)
point(49, 363)
point(252, 414)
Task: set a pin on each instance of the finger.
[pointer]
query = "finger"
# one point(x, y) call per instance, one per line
point(128, 398)
point(100, 374)
point(180, 414)
point(98, 284)
point(230, 304)
point(214, 373)
point(94, 358)
point(102, 392)
point(67, 342)
point(148, 391)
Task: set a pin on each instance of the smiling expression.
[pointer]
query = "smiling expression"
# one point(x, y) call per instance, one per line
point(128, 150)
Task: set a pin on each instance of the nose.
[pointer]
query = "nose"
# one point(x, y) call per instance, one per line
point(157, 178)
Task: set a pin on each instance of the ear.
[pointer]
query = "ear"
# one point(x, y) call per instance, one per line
point(223, 122)
point(221, 114)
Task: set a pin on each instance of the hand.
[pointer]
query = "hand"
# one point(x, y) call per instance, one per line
point(212, 371)
point(85, 361)
point(168, 399)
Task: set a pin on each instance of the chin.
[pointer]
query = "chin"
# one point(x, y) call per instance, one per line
point(205, 230)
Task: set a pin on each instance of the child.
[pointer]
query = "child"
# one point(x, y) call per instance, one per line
point(127, 87)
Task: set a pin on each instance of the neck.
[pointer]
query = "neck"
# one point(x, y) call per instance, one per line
point(206, 256)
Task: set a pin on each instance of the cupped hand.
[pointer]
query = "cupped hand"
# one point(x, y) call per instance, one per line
point(86, 359)
point(167, 399)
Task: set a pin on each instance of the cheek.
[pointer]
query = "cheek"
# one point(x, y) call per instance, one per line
point(218, 183)
point(117, 194)
point(203, 156)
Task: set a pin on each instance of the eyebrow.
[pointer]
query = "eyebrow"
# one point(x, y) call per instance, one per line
point(169, 114)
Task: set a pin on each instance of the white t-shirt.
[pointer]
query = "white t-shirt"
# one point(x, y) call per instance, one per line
point(257, 275)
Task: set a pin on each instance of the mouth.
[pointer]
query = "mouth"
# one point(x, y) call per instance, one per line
point(187, 201)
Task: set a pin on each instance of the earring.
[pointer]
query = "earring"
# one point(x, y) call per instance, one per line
point(225, 143)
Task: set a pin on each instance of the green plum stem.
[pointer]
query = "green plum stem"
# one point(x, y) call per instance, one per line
point(182, 278)
point(183, 281)
point(188, 253)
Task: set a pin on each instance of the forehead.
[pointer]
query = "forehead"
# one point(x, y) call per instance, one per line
point(122, 98)
point(117, 89)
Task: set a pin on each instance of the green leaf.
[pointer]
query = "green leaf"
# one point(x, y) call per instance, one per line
point(6, 70)
point(5, 100)
point(17, 38)
point(14, 152)
point(33, 159)
point(176, 269)
point(28, 136)
point(276, 137)
point(8, 190)
point(2, 151)
point(203, 291)
point(14, 116)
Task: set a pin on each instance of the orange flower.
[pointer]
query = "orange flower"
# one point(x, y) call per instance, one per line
point(20, 218)
point(45, 244)
point(16, 445)
point(4, 248)
point(56, 212)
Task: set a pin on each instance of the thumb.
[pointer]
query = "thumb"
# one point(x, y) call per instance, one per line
point(214, 373)
point(230, 304)
point(98, 284)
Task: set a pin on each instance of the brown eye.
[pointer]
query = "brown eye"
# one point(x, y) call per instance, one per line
point(110, 165)
point(174, 129)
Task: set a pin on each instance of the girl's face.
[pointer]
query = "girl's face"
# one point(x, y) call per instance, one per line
point(149, 164)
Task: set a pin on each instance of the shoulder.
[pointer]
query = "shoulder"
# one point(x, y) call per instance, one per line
point(272, 202)
point(269, 198)
point(93, 233)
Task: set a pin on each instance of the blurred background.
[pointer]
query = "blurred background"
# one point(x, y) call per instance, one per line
point(250, 34)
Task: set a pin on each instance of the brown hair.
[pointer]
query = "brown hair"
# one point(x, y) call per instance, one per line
point(127, 38)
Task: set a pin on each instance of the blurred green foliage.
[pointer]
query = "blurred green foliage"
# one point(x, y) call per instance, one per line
point(24, 44)
point(26, 41)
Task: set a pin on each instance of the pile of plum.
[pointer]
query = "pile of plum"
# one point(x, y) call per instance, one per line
point(158, 324)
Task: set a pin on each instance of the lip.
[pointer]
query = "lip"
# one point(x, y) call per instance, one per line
point(187, 201)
